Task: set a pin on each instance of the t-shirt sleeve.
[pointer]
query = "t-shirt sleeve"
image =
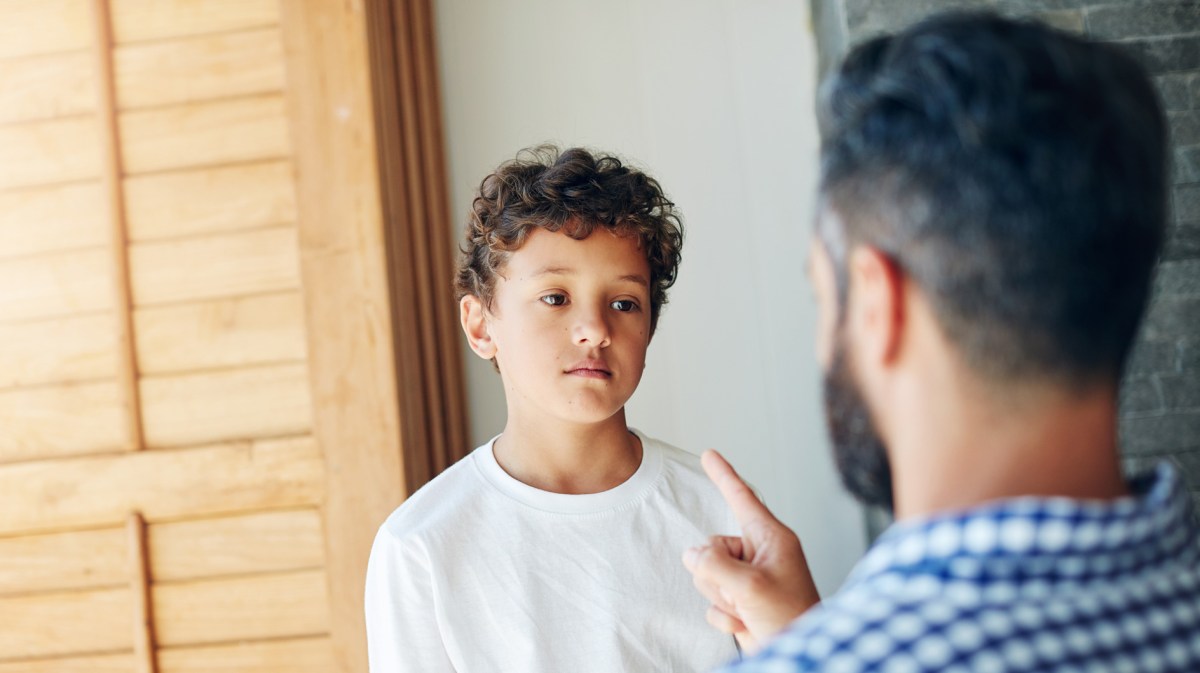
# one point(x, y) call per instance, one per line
point(402, 631)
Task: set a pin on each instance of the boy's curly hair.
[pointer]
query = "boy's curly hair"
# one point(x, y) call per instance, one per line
point(574, 192)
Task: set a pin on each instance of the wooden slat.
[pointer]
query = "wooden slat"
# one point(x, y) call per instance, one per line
point(296, 655)
point(58, 350)
point(55, 285)
point(138, 20)
point(64, 623)
point(45, 87)
point(236, 404)
point(49, 152)
point(43, 27)
point(244, 608)
point(255, 543)
point(223, 333)
point(179, 550)
point(199, 68)
point(219, 266)
point(347, 295)
point(101, 490)
point(204, 134)
point(99, 663)
point(212, 200)
point(84, 559)
point(51, 219)
point(75, 419)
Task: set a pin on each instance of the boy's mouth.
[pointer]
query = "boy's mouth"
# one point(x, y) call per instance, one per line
point(590, 369)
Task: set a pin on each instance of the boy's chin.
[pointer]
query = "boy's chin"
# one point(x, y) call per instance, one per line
point(589, 412)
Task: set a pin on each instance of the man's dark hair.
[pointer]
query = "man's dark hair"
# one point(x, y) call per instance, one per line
point(575, 192)
point(1015, 172)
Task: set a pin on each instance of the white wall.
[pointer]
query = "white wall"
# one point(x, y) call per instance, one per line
point(715, 99)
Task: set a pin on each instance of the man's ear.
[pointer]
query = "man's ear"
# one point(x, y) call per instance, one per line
point(474, 321)
point(876, 305)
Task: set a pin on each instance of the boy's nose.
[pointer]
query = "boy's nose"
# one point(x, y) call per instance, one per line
point(591, 329)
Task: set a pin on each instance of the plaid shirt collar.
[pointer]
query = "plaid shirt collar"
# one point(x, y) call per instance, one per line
point(1043, 540)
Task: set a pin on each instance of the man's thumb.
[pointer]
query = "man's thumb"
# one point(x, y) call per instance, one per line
point(716, 566)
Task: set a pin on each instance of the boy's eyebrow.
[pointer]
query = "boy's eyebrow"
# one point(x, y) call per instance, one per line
point(553, 271)
point(567, 271)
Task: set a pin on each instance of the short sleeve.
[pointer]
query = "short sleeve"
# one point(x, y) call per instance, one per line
point(402, 630)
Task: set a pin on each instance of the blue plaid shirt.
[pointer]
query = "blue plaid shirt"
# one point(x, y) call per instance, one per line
point(1029, 584)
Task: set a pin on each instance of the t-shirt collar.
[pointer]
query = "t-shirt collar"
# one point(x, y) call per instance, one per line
point(561, 503)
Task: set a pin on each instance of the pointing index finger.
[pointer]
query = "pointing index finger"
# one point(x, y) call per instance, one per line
point(746, 506)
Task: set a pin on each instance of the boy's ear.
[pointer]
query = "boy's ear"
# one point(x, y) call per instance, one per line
point(474, 324)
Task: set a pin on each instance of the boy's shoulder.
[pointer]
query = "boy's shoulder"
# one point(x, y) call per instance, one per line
point(439, 503)
point(680, 463)
point(691, 489)
point(675, 456)
point(685, 478)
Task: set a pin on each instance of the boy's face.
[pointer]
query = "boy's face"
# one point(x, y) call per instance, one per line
point(569, 325)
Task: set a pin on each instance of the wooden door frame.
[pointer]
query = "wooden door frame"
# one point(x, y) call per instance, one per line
point(416, 207)
point(386, 379)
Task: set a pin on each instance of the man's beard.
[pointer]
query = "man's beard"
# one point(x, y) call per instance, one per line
point(858, 451)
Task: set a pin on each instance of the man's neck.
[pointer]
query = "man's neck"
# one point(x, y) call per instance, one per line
point(968, 446)
point(563, 457)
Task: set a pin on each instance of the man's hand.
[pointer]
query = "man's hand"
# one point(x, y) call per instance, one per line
point(759, 582)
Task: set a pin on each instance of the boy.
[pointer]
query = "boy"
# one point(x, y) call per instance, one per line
point(554, 546)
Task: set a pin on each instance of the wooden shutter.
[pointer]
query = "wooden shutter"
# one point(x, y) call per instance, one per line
point(208, 396)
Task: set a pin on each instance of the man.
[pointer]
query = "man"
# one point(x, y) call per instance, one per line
point(993, 201)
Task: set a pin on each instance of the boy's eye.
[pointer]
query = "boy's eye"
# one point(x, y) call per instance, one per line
point(555, 299)
point(625, 305)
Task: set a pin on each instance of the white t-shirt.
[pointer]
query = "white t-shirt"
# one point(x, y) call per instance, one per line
point(479, 572)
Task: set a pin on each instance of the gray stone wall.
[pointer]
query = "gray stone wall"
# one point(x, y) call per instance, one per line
point(1160, 396)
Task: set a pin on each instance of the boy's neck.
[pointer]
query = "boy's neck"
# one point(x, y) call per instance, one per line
point(568, 457)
